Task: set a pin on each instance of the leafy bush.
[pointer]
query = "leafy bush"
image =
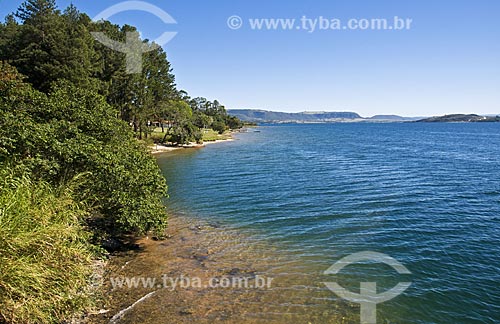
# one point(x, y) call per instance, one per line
point(219, 127)
point(72, 131)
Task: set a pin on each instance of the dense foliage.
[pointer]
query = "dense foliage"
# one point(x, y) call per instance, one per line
point(78, 110)
point(71, 131)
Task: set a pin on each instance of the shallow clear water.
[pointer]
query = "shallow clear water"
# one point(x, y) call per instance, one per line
point(426, 194)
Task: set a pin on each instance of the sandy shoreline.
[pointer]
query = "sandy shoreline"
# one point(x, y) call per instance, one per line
point(158, 148)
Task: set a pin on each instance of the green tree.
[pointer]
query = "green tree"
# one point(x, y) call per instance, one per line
point(50, 46)
point(233, 122)
point(9, 37)
point(32, 10)
point(179, 117)
point(219, 126)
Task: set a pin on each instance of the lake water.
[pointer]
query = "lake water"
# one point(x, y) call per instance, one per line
point(427, 195)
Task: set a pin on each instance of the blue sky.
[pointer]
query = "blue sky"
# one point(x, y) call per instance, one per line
point(448, 62)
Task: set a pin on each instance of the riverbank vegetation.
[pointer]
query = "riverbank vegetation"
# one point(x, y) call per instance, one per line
point(45, 254)
point(74, 162)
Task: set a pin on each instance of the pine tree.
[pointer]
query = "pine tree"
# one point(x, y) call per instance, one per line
point(32, 9)
point(52, 46)
point(9, 38)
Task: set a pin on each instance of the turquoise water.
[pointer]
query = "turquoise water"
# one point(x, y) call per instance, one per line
point(426, 194)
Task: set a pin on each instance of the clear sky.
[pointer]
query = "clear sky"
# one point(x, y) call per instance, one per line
point(448, 62)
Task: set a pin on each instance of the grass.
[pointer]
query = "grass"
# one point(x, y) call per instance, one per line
point(209, 135)
point(157, 136)
point(45, 257)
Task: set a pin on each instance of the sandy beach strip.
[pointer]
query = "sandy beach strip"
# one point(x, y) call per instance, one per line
point(158, 148)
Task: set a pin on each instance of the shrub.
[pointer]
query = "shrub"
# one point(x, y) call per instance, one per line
point(219, 127)
point(72, 131)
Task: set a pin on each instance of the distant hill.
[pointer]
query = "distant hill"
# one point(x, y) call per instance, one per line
point(253, 115)
point(392, 119)
point(456, 118)
point(388, 117)
point(266, 116)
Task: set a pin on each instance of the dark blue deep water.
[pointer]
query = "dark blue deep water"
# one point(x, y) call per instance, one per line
point(426, 194)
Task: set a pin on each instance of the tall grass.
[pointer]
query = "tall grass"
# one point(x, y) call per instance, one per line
point(45, 257)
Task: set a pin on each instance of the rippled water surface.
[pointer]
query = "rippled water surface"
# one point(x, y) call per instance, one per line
point(426, 194)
